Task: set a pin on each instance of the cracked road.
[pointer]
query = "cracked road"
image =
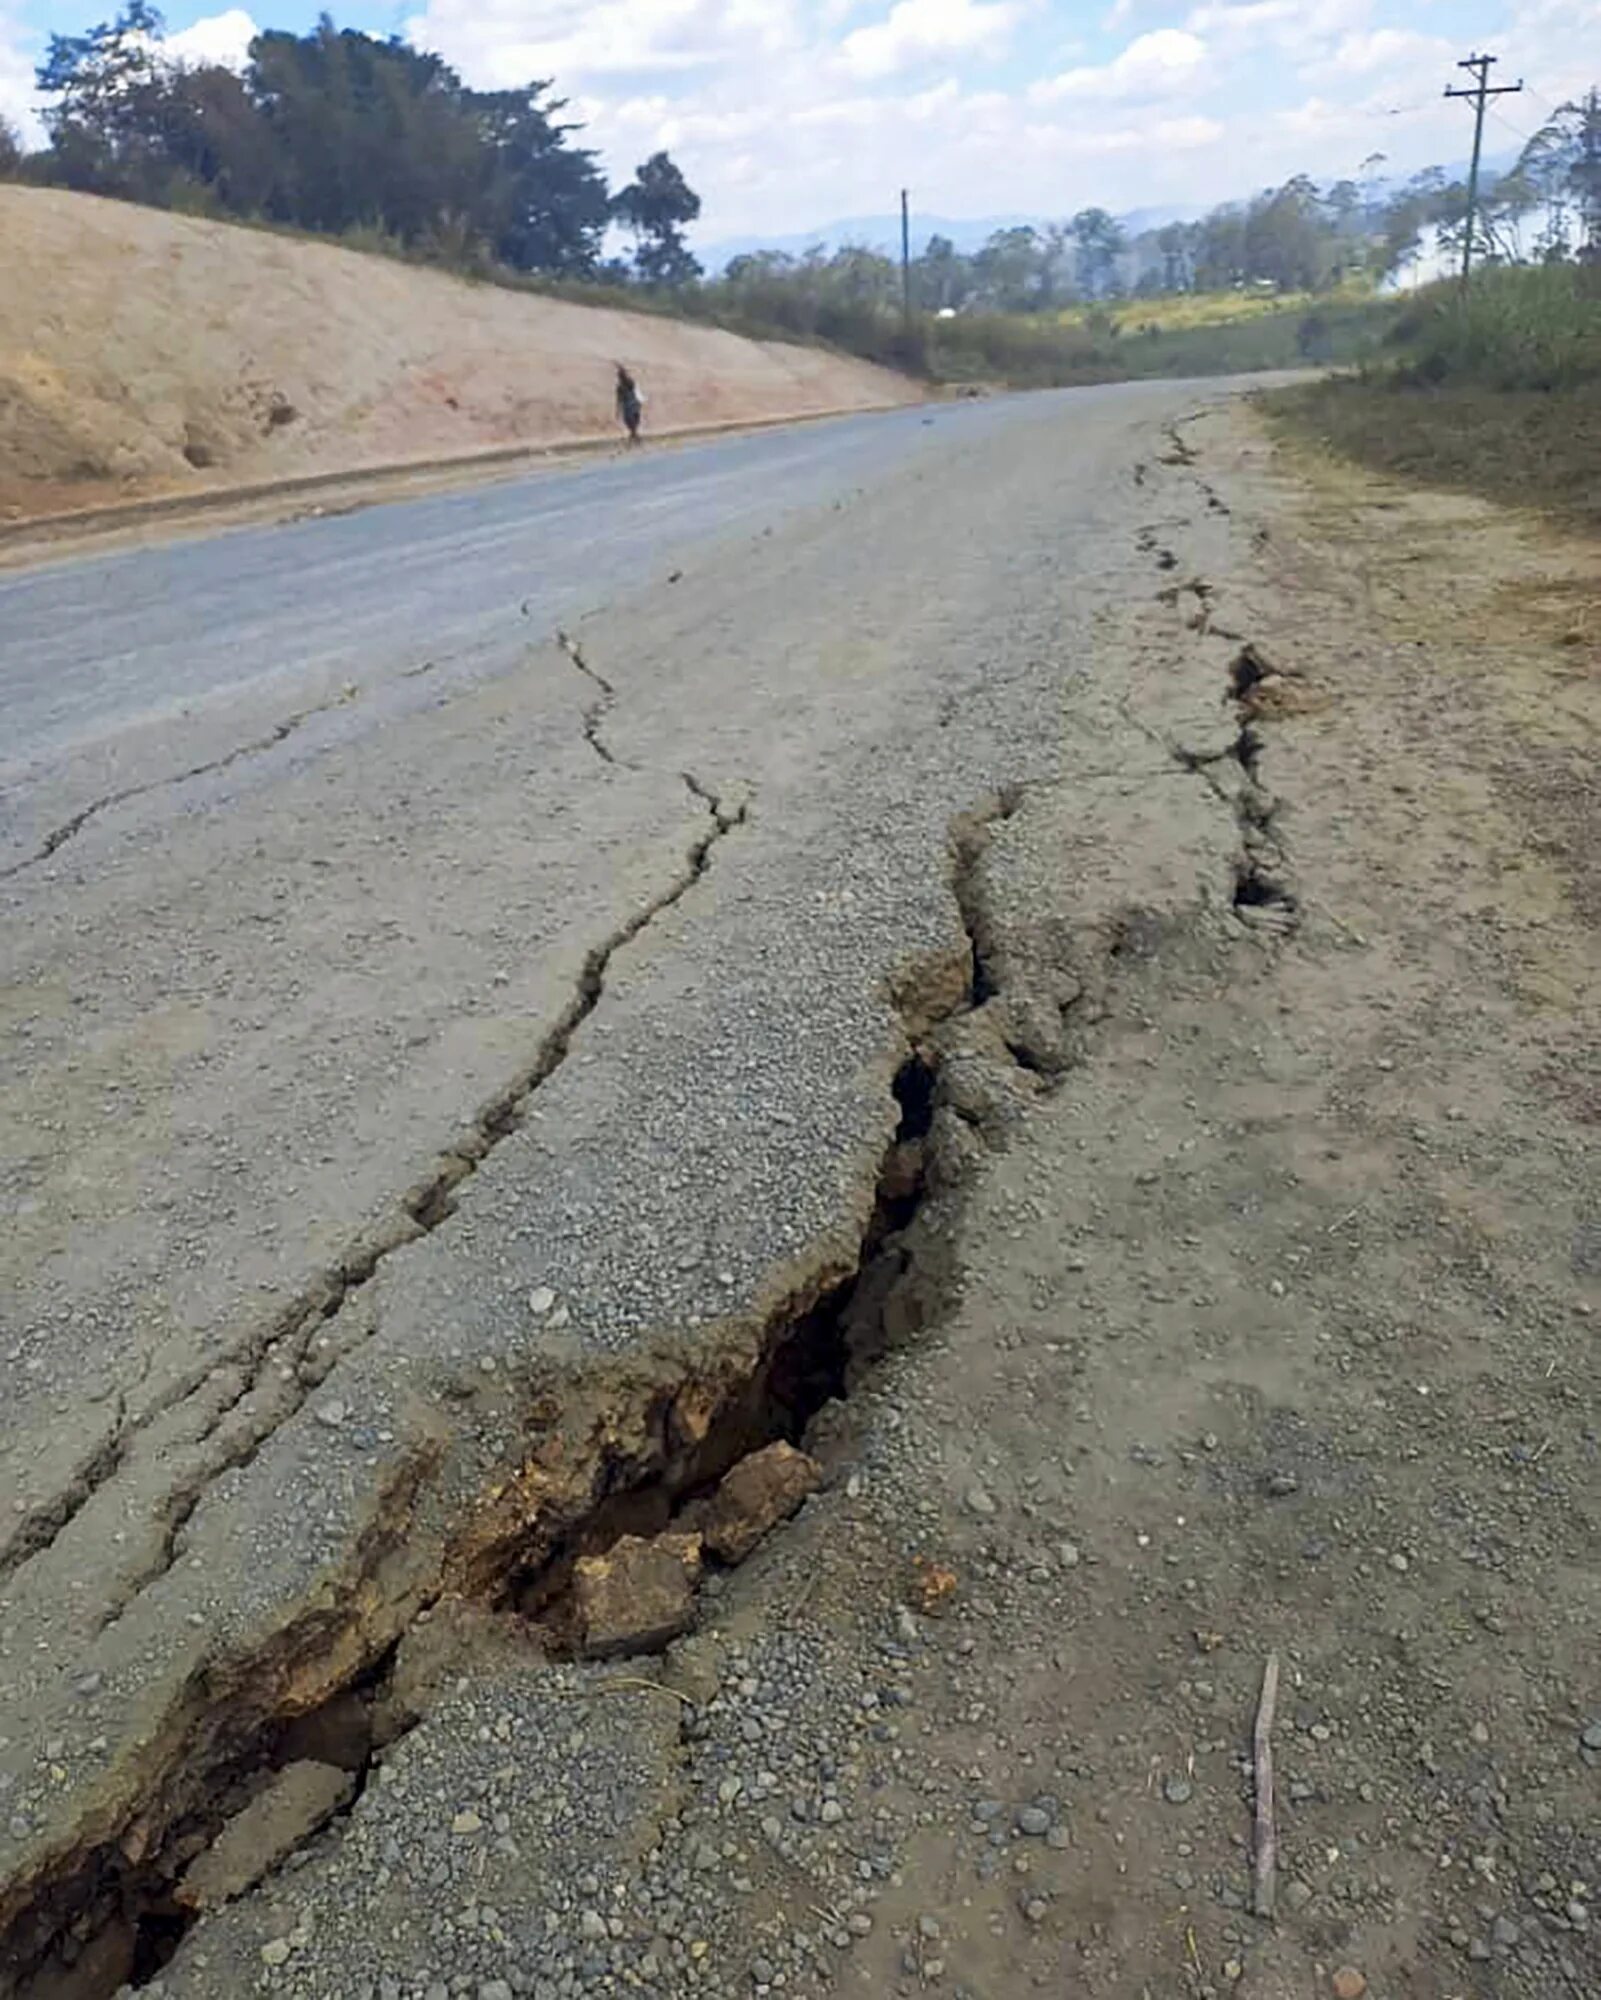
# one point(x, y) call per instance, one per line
point(408, 916)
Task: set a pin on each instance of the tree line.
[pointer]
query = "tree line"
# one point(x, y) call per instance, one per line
point(342, 133)
point(1299, 237)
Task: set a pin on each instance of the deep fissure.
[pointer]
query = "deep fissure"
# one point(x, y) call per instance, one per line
point(119, 1919)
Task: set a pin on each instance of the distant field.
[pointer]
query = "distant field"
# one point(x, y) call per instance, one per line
point(1034, 350)
point(1183, 310)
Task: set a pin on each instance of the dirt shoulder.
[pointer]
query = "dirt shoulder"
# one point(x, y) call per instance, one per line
point(158, 356)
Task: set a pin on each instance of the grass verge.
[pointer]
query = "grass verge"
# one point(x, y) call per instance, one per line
point(1495, 391)
point(1522, 447)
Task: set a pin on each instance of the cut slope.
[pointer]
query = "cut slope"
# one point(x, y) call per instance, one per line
point(151, 353)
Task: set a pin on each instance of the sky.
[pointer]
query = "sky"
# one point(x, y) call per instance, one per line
point(789, 114)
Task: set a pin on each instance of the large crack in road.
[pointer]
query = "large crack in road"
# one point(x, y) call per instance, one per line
point(719, 1183)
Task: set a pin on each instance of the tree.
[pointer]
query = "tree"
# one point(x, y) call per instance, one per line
point(941, 277)
point(1009, 269)
point(1174, 242)
point(10, 149)
point(544, 206)
point(655, 206)
point(1563, 163)
point(1100, 242)
point(99, 87)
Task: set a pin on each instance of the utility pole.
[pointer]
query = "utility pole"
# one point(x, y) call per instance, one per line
point(1481, 93)
point(906, 262)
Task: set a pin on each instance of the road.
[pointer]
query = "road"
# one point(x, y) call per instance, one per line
point(456, 959)
point(125, 670)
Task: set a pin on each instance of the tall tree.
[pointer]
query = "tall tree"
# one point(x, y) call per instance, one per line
point(98, 88)
point(10, 148)
point(1563, 161)
point(544, 204)
point(655, 206)
point(1100, 241)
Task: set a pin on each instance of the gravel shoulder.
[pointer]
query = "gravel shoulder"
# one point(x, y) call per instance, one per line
point(1262, 1322)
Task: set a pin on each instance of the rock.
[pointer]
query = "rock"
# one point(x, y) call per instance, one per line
point(637, 1596)
point(1034, 1821)
point(1297, 1894)
point(1068, 1555)
point(275, 1952)
point(1504, 1933)
point(332, 1413)
point(1177, 1791)
point(755, 1496)
point(467, 1822)
point(978, 1502)
point(296, 1802)
point(540, 1300)
point(1348, 1983)
point(1591, 1739)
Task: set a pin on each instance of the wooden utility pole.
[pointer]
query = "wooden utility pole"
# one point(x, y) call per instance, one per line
point(1481, 93)
point(906, 262)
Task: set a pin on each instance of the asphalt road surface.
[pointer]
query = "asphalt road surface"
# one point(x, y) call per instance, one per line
point(127, 669)
point(403, 1005)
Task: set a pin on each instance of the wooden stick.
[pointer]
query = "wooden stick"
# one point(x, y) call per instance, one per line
point(1267, 1846)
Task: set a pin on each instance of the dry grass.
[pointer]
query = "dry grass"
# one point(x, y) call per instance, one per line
point(1524, 447)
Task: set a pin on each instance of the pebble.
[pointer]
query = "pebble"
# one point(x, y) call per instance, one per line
point(275, 1952)
point(332, 1414)
point(1591, 1739)
point(979, 1502)
point(1297, 1894)
point(466, 1822)
point(1177, 1791)
point(1034, 1821)
point(1399, 1562)
point(540, 1300)
point(1348, 1983)
point(1068, 1555)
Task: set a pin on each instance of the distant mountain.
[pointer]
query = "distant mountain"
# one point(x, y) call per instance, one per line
point(883, 233)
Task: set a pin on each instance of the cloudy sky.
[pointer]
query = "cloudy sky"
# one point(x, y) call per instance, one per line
point(791, 113)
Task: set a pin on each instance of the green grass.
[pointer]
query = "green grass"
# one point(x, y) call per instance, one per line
point(1495, 392)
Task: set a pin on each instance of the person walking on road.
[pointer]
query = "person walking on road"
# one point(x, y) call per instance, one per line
point(629, 405)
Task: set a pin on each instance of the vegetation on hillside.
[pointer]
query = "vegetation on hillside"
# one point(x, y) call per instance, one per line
point(383, 147)
point(1494, 387)
point(338, 132)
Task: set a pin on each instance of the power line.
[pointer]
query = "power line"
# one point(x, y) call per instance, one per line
point(1483, 90)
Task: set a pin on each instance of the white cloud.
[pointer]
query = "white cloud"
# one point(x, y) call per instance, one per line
point(1156, 65)
point(18, 104)
point(916, 30)
point(1400, 51)
point(502, 43)
point(216, 38)
point(1301, 28)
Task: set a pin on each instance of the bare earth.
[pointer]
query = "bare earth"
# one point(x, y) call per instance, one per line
point(157, 355)
point(1208, 1275)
